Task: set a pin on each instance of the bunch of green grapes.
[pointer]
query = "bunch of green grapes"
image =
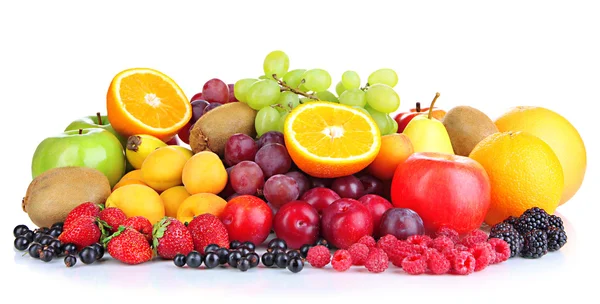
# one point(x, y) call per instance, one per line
point(280, 90)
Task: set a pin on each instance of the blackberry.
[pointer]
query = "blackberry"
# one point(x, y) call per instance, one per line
point(511, 220)
point(555, 221)
point(512, 237)
point(535, 245)
point(556, 238)
point(501, 227)
point(534, 218)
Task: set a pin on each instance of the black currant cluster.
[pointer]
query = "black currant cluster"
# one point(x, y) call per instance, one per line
point(42, 243)
point(277, 255)
point(239, 255)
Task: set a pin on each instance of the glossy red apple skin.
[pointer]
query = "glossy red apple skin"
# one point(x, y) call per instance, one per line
point(377, 207)
point(345, 221)
point(445, 190)
point(247, 218)
point(297, 223)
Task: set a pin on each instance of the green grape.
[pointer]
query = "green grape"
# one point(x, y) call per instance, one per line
point(362, 110)
point(293, 78)
point(241, 88)
point(350, 80)
point(281, 123)
point(394, 128)
point(262, 93)
point(277, 62)
point(317, 80)
point(380, 119)
point(327, 96)
point(383, 98)
point(287, 101)
point(267, 119)
point(339, 88)
point(265, 77)
point(353, 97)
point(384, 76)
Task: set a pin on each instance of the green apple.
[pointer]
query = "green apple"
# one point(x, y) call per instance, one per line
point(98, 121)
point(94, 148)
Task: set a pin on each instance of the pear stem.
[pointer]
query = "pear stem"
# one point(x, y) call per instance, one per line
point(418, 107)
point(432, 103)
point(80, 131)
point(99, 118)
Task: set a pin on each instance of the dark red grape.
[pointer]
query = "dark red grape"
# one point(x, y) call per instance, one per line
point(271, 137)
point(231, 94)
point(184, 133)
point(301, 179)
point(320, 182)
point(197, 96)
point(215, 90)
point(228, 191)
point(198, 107)
point(320, 197)
point(211, 106)
point(273, 159)
point(247, 178)
point(371, 184)
point(280, 189)
point(348, 187)
point(401, 223)
point(239, 147)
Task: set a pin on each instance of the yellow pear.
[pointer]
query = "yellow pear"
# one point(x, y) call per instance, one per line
point(428, 134)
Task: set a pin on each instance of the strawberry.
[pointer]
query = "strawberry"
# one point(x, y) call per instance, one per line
point(85, 209)
point(128, 246)
point(171, 237)
point(207, 229)
point(82, 232)
point(141, 224)
point(113, 217)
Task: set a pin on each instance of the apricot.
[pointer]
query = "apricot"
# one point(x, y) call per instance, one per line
point(187, 152)
point(172, 199)
point(163, 167)
point(204, 173)
point(395, 149)
point(137, 200)
point(198, 204)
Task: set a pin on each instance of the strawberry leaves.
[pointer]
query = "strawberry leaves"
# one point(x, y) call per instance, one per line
point(158, 230)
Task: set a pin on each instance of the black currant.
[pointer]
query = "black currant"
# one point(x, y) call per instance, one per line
point(45, 240)
point(277, 251)
point(253, 258)
point(295, 265)
point(245, 251)
point(211, 248)
point(56, 244)
point(281, 260)
point(99, 250)
point(179, 260)
point(249, 245)
point(211, 260)
point(223, 254)
point(69, 248)
point(21, 243)
point(293, 254)
point(88, 255)
point(277, 243)
point(58, 225)
point(235, 244)
point(323, 242)
point(233, 258)
point(304, 250)
point(35, 249)
point(244, 264)
point(44, 230)
point(70, 260)
point(55, 232)
point(194, 259)
point(37, 236)
point(28, 235)
point(20, 230)
point(47, 255)
point(268, 259)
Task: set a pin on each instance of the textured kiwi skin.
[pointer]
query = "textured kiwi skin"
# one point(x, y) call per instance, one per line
point(466, 127)
point(53, 194)
point(214, 128)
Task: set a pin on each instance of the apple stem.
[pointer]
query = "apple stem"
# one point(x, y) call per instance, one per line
point(418, 107)
point(80, 131)
point(432, 103)
point(99, 118)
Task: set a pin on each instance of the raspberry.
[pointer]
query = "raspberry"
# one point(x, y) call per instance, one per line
point(358, 253)
point(377, 260)
point(400, 251)
point(451, 253)
point(475, 237)
point(387, 243)
point(342, 260)
point(318, 256)
point(415, 264)
point(463, 263)
point(421, 240)
point(367, 240)
point(461, 247)
point(441, 243)
point(447, 232)
point(501, 250)
point(483, 255)
point(438, 263)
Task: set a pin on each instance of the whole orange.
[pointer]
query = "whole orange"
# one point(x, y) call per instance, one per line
point(395, 149)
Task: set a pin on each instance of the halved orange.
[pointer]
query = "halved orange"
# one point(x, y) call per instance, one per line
point(146, 101)
point(328, 140)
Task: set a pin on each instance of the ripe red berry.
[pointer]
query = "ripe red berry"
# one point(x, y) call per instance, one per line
point(367, 240)
point(377, 260)
point(501, 250)
point(463, 263)
point(318, 256)
point(438, 263)
point(447, 232)
point(482, 253)
point(442, 243)
point(387, 243)
point(359, 253)
point(415, 264)
point(342, 260)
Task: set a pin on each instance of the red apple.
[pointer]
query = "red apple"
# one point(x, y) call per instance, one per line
point(297, 223)
point(345, 221)
point(404, 118)
point(445, 190)
point(247, 218)
point(377, 206)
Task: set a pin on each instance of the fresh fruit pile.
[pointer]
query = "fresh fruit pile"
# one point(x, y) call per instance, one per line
point(333, 178)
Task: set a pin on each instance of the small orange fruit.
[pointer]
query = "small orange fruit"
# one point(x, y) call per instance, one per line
point(163, 167)
point(204, 173)
point(395, 149)
point(198, 204)
point(132, 177)
point(137, 200)
point(524, 172)
point(172, 199)
point(146, 101)
point(328, 140)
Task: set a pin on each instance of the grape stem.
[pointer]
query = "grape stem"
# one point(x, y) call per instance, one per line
point(366, 87)
point(285, 87)
point(432, 103)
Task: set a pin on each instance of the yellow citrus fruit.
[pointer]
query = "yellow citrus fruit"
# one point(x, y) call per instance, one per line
point(163, 167)
point(172, 199)
point(198, 204)
point(524, 172)
point(327, 139)
point(137, 200)
point(204, 173)
point(559, 134)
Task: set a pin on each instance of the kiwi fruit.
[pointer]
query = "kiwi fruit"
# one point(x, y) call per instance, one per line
point(214, 128)
point(466, 127)
point(53, 194)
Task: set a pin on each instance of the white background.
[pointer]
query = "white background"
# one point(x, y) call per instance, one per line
point(58, 58)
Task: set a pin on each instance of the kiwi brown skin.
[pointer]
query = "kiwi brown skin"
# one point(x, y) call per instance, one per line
point(466, 127)
point(214, 128)
point(53, 194)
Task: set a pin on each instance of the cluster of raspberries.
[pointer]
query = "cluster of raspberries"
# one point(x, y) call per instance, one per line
point(419, 254)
